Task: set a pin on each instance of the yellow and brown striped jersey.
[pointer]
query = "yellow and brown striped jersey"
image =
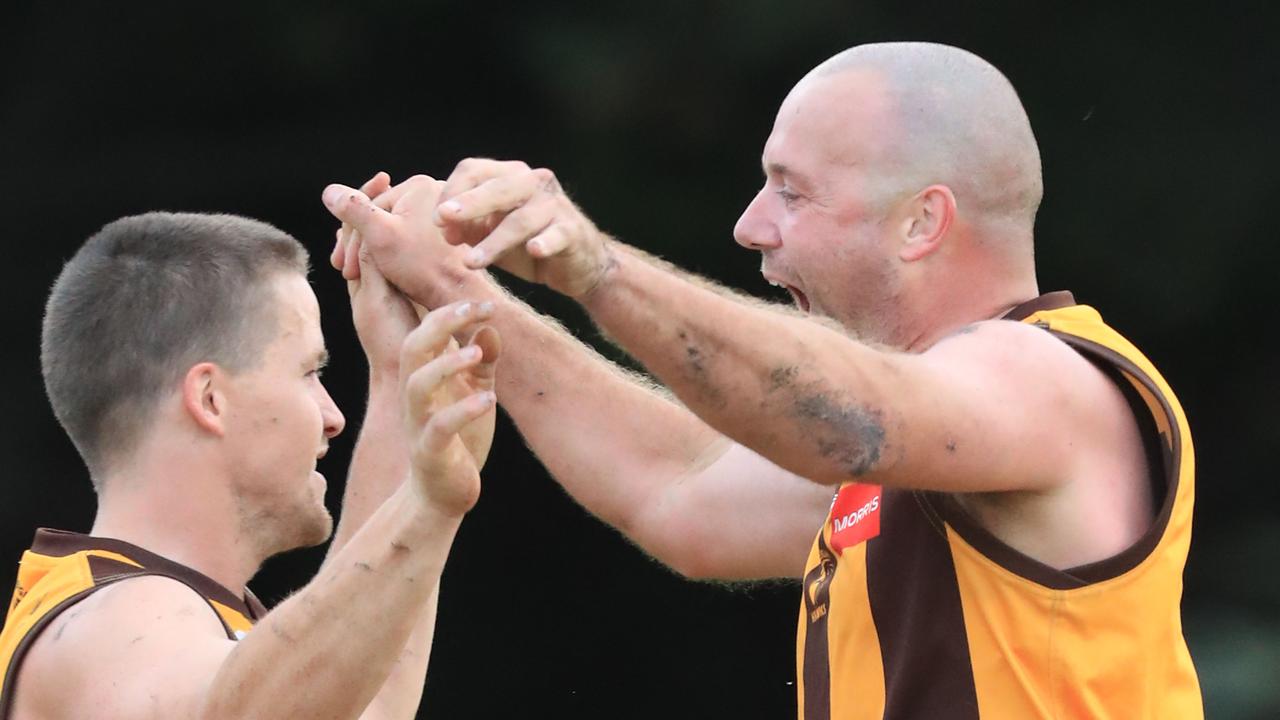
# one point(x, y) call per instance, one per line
point(913, 610)
point(63, 568)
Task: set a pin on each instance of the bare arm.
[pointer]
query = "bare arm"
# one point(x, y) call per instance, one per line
point(150, 648)
point(973, 414)
point(626, 451)
point(643, 463)
point(380, 461)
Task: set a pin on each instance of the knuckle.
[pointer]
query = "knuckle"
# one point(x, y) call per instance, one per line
point(472, 166)
point(546, 180)
point(517, 223)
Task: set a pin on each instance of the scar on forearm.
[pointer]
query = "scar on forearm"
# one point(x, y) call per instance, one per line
point(851, 435)
point(782, 377)
point(693, 356)
point(696, 370)
point(137, 640)
point(399, 546)
point(364, 566)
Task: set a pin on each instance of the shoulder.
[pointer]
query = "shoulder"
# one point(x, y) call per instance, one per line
point(1038, 393)
point(1023, 357)
point(113, 645)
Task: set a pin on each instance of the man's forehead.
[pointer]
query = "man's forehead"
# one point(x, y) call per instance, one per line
point(838, 117)
point(297, 308)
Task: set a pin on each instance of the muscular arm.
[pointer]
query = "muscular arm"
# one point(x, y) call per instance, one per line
point(973, 414)
point(630, 454)
point(379, 466)
point(689, 496)
point(1004, 407)
point(380, 461)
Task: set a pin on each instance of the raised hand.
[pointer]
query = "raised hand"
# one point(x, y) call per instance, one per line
point(406, 245)
point(445, 470)
point(521, 220)
point(382, 315)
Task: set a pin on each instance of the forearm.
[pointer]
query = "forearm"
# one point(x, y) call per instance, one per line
point(379, 461)
point(380, 465)
point(764, 378)
point(614, 441)
point(327, 651)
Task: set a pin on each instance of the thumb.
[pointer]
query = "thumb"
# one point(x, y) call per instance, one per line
point(354, 207)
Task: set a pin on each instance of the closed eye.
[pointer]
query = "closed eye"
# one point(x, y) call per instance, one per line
point(787, 195)
point(318, 366)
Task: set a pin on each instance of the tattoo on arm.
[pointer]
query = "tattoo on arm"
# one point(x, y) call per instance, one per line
point(851, 434)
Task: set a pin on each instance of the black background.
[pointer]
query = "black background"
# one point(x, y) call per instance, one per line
point(1155, 125)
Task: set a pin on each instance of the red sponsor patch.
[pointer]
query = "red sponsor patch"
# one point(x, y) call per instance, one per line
point(855, 515)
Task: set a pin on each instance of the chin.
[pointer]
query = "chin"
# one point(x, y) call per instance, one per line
point(317, 531)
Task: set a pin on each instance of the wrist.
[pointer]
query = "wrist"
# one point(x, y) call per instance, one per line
point(420, 520)
point(384, 380)
point(607, 270)
point(433, 511)
point(452, 283)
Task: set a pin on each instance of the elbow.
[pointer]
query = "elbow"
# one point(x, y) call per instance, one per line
point(696, 566)
point(678, 540)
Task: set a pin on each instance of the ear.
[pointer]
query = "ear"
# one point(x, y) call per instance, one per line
point(204, 398)
point(928, 217)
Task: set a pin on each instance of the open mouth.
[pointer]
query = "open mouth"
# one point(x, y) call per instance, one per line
point(797, 296)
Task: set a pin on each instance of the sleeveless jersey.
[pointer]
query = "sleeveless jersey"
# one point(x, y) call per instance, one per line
point(63, 568)
point(912, 610)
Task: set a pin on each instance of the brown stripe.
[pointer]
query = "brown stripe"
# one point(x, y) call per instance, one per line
point(817, 661)
point(915, 604)
point(1169, 456)
point(60, 543)
point(256, 609)
point(1049, 301)
point(107, 570)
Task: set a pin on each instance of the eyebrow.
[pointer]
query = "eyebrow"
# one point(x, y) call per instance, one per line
point(777, 168)
point(322, 359)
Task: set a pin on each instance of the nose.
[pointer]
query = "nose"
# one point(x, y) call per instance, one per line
point(755, 230)
point(333, 419)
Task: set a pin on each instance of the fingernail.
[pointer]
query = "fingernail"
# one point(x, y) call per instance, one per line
point(535, 247)
point(470, 352)
point(330, 195)
point(463, 309)
point(490, 398)
point(452, 206)
point(476, 256)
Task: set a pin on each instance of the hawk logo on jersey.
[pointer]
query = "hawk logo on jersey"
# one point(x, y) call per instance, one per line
point(817, 584)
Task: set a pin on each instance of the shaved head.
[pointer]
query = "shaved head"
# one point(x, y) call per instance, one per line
point(958, 122)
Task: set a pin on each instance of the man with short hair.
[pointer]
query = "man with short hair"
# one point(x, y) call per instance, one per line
point(182, 353)
point(1000, 484)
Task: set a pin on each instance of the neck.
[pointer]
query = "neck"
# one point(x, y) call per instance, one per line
point(166, 505)
point(939, 314)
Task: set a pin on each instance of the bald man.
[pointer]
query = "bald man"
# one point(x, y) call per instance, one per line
point(986, 491)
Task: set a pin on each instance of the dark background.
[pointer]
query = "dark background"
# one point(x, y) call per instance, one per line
point(1155, 125)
